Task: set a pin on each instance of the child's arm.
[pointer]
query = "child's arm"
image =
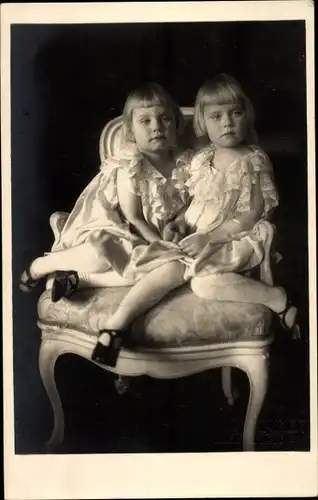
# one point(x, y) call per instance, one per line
point(130, 205)
point(234, 228)
point(203, 245)
point(242, 222)
point(237, 223)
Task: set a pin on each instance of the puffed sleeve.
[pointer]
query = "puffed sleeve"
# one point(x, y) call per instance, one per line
point(130, 174)
point(197, 171)
point(125, 170)
point(108, 181)
point(261, 163)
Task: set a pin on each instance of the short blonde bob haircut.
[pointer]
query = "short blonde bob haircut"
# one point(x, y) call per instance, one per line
point(223, 89)
point(151, 94)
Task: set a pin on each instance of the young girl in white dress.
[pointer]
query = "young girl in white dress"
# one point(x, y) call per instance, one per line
point(129, 206)
point(232, 188)
point(222, 175)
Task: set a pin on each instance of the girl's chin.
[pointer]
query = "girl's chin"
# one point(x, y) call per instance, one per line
point(228, 142)
point(159, 146)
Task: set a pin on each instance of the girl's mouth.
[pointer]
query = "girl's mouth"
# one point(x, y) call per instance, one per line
point(158, 138)
point(227, 134)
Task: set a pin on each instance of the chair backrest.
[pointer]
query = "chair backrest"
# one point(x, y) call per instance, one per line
point(110, 139)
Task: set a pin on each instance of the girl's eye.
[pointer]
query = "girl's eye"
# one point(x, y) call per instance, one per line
point(166, 119)
point(215, 116)
point(145, 121)
point(237, 113)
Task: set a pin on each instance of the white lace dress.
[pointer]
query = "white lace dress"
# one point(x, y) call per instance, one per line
point(211, 187)
point(162, 199)
point(97, 212)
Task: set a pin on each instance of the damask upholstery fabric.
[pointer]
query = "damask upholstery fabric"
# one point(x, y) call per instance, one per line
point(181, 319)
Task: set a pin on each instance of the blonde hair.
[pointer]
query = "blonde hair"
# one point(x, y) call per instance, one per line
point(223, 89)
point(150, 94)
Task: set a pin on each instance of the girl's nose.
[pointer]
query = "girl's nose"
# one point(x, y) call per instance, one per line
point(156, 124)
point(226, 122)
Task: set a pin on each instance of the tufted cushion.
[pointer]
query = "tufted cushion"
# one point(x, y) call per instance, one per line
point(181, 319)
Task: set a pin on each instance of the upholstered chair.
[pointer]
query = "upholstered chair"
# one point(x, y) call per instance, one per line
point(181, 336)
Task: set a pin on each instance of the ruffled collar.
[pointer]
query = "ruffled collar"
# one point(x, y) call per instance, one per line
point(152, 172)
point(204, 158)
point(131, 158)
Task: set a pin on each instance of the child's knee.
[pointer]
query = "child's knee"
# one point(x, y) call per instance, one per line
point(203, 288)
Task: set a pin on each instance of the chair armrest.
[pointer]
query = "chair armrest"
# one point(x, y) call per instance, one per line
point(57, 222)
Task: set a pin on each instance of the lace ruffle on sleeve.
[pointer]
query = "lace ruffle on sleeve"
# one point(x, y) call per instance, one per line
point(198, 172)
point(129, 171)
point(134, 176)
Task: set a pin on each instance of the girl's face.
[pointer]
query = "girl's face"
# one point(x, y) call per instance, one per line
point(154, 129)
point(225, 124)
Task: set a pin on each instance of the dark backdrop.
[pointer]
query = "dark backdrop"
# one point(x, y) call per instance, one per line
point(67, 82)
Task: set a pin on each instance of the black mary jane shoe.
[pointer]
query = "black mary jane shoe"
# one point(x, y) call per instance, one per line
point(108, 346)
point(294, 329)
point(65, 284)
point(27, 283)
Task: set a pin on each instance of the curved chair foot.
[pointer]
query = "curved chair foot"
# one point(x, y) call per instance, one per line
point(122, 384)
point(231, 395)
point(49, 352)
point(257, 370)
point(52, 448)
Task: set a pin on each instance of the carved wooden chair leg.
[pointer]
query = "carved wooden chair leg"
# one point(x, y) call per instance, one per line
point(227, 384)
point(256, 368)
point(49, 352)
point(122, 384)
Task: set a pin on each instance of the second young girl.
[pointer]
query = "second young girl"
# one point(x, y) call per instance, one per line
point(232, 188)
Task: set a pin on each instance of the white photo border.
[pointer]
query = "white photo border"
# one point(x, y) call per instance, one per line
point(193, 475)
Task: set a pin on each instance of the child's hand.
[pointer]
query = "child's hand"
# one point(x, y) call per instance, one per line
point(168, 232)
point(174, 231)
point(181, 227)
point(194, 244)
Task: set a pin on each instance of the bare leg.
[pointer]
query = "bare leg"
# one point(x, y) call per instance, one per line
point(145, 294)
point(236, 288)
point(89, 257)
point(80, 258)
point(103, 280)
